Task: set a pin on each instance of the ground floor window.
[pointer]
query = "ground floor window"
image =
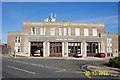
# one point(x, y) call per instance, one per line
point(55, 49)
point(92, 48)
point(17, 48)
point(74, 48)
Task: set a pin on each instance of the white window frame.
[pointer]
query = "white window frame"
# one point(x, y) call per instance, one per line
point(42, 30)
point(17, 48)
point(94, 32)
point(32, 31)
point(77, 31)
point(69, 31)
point(17, 39)
point(109, 40)
point(52, 31)
point(109, 49)
point(109, 45)
point(65, 31)
point(86, 32)
point(60, 31)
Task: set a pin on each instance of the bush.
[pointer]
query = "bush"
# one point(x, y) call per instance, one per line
point(115, 62)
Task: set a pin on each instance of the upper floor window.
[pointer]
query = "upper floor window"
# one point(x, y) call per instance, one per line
point(86, 32)
point(69, 31)
point(42, 31)
point(77, 31)
point(60, 31)
point(94, 32)
point(33, 31)
point(109, 40)
point(17, 39)
point(65, 31)
point(52, 31)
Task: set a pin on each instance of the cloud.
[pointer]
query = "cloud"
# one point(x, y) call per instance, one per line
point(111, 22)
point(103, 18)
point(107, 20)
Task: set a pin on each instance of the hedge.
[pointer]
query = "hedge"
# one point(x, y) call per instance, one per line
point(115, 62)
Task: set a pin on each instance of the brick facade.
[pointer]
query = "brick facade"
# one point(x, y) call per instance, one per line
point(27, 38)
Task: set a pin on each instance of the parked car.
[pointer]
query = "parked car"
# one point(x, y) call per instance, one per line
point(37, 53)
point(77, 55)
point(102, 55)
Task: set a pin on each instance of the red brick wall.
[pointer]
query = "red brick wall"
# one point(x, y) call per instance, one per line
point(27, 29)
point(11, 41)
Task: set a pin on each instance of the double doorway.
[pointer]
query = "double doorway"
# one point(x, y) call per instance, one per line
point(55, 49)
point(74, 48)
point(92, 48)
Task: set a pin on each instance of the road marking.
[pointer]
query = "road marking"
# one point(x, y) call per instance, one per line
point(78, 72)
point(82, 67)
point(21, 69)
point(39, 65)
point(48, 67)
point(85, 71)
point(61, 70)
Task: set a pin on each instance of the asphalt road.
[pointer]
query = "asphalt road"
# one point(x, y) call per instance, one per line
point(45, 68)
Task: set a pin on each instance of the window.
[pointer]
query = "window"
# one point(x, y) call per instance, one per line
point(109, 40)
point(109, 45)
point(69, 31)
point(42, 31)
point(94, 32)
point(77, 32)
point(65, 31)
point(60, 31)
point(86, 32)
point(18, 48)
point(33, 31)
point(17, 39)
point(52, 31)
point(109, 49)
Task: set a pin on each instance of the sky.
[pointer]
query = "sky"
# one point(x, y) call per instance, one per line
point(15, 13)
point(0, 21)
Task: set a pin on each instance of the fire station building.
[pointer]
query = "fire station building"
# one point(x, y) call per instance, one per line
point(63, 39)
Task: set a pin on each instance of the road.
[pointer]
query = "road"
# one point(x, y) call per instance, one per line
point(45, 68)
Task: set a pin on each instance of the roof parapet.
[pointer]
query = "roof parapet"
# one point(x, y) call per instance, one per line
point(65, 23)
point(16, 33)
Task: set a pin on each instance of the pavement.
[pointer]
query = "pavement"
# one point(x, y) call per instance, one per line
point(65, 58)
point(110, 71)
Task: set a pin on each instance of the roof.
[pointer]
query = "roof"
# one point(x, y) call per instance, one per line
point(65, 23)
point(16, 33)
